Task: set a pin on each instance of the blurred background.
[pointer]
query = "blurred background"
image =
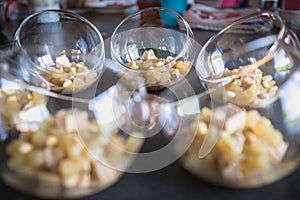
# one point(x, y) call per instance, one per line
point(210, 15)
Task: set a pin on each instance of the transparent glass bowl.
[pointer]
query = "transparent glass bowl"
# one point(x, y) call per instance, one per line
point(64, 47)
point(247, 49)
point(156, 44)
point(237, 145)
point(60, 146)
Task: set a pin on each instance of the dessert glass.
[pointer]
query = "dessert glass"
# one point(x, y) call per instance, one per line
point(67, 49)
point(59, 146)
point(156, 44)
point(242, 130)
point(247, 56)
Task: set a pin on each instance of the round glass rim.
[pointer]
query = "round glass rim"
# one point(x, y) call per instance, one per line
point(17, 39)
point(188, 33)
point(269, 53)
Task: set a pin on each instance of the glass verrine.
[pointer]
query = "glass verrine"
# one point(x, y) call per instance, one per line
point(247, 57)
point(64, 47)
point(60, 146)
point(235, 145)
point(156, 44)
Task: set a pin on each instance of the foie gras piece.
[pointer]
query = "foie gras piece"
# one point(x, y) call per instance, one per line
point(62, 61)
point(148, 55)
point(230, 118)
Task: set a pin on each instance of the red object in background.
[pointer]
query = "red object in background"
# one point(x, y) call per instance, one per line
point(142, 4)
point(292, 4)
point(75, 4)
point(230, 3)
point(13, 6)
point(147, 4)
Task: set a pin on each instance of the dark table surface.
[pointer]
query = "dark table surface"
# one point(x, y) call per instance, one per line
point(171, 182)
